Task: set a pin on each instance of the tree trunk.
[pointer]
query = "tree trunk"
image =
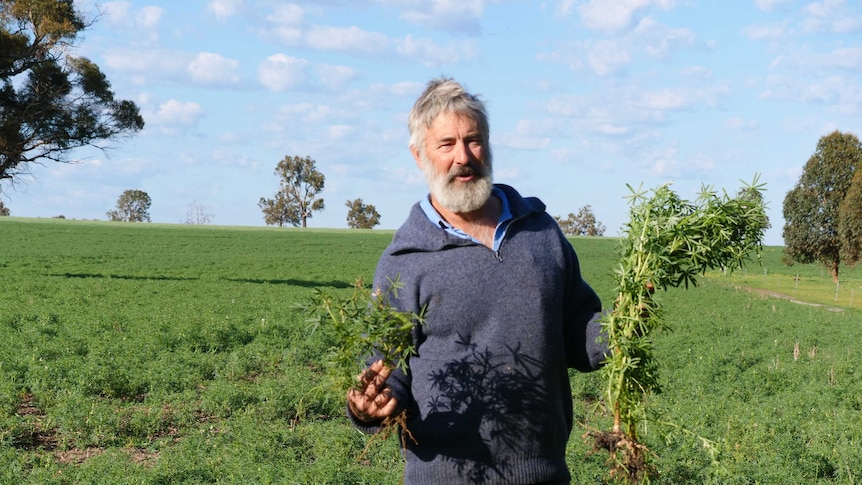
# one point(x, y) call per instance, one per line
point(834, 270)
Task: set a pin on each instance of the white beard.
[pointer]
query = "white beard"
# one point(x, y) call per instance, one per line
point(454, 196)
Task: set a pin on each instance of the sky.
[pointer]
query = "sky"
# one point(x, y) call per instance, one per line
point(585, 98)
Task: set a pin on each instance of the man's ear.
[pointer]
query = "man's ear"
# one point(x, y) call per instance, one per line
point(416, 156)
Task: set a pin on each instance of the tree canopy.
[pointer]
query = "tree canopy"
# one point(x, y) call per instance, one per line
point(51, 101)
point(132, 206)
point(300, 182)
point(583, 223)
point(361, 215)
point(4, 211)
point(822, 213)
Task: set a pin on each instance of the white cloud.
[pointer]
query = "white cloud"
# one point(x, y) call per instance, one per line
point(287, 14)
point(658, 39)
point(615, 15)
point(611, 55)
point(175, 113)
point(740, 124)
point(431, 54)
point(338, 132)
point(162, 63)
point(766, 32)
point(213, 69)
point(224, 9)
point(336, 77)
point(116, 12)
point(280, 72)
point(769, 5)
point(348, 39)
point(148, 17)
point(450, 15)
point(832, 16)
point(608, 56)
point(663, 100)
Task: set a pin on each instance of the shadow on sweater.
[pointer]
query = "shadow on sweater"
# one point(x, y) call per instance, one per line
point(486, 411)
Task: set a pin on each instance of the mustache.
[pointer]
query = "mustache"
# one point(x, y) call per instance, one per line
point(467, 171)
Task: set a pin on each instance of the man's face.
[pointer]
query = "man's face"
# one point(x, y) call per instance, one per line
point(454, 162)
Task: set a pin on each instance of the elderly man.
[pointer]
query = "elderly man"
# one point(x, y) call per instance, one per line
point(487, 397)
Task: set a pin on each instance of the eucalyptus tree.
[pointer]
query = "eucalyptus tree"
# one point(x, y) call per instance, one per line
point(299, 184)
point(815, 211)
point(52, 102)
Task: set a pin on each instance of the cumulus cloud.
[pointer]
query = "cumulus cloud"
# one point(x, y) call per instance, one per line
point(348, 39)
point(148, 17)
point(173, 114)
point(280, 72)
point(431, 54)
point(769, 5)
point(833, 16)
point(450, 15)
point(213, 69)
point(224, 9)
point(741, 124)
point(611, 55)
point(121, 13)
point(615, 15)
point(336, 77)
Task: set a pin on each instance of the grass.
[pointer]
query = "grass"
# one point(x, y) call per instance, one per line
point(142, 353)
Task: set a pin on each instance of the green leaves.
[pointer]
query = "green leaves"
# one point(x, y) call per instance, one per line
point(669, 242)
point(359, 326)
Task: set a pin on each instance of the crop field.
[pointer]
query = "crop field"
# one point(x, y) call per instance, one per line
point(163, 354)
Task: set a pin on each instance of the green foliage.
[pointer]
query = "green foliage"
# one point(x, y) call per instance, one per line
point(583, 223)
point(132, 206)
point(363, 327)
point(818, 222)
point(361, 215)
point(668, 242)
point(296, 201)
point(202, 320)
point(850, 221)
point(51, 102)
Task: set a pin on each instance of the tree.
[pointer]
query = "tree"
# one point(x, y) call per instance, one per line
point(50, 101)
point(850, 221)
point(361, 215)
point(4, 211)
point(583, 223)
point(198, 213)
point(293, 204)
point(815, 206)
point(132, 206)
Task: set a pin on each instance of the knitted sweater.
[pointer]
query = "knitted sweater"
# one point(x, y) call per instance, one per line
point(488, 394)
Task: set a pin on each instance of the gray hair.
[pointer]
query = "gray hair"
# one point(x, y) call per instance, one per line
point(442, 95)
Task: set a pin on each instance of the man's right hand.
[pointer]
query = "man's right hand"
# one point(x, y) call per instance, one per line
point(373, 400)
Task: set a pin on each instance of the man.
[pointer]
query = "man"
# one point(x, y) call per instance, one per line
point(487, 396)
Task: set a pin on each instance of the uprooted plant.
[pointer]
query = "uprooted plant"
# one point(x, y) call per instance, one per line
point(361, 326)
point(668, 242)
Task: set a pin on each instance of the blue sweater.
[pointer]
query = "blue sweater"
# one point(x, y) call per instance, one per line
point(488, 394)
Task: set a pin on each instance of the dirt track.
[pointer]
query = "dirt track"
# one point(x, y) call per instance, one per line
point(775, 294)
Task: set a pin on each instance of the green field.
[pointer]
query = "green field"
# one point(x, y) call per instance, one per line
point(143, 353)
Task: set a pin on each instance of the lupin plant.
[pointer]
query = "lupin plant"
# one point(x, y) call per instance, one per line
point(668, 242)
point(362, 326)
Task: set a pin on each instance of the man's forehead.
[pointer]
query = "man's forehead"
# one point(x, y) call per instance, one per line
point(454, 119)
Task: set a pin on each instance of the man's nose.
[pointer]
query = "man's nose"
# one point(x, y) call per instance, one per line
point(463, 155)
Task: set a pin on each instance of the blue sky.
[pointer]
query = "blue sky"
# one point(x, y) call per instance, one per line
point(584, 97)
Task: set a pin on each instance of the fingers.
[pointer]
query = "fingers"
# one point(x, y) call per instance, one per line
point(373, 399)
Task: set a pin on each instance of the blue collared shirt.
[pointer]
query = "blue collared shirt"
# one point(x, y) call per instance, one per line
point(502, 223)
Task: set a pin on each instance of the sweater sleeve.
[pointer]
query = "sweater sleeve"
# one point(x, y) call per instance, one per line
point(398, 381)
point(585, 351)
